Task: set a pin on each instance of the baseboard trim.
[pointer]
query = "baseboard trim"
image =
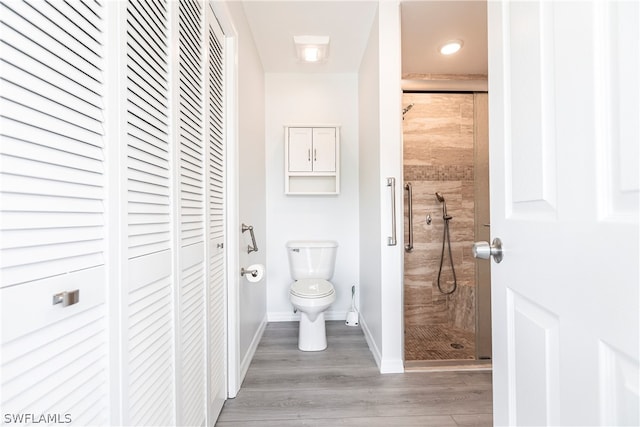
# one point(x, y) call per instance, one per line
point(251, 351)
point(377, 356)
point(385, 366)
point(391, 366)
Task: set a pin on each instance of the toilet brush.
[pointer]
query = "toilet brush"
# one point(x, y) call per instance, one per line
point(352, 316)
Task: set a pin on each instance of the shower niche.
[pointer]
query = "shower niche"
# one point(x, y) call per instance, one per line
point(446, 291)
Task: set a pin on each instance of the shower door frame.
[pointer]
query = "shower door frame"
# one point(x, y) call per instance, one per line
point(482, 276)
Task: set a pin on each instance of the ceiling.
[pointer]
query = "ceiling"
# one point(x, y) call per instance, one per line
point(426, 25)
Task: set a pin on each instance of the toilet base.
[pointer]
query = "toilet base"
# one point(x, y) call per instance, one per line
point(312, 335)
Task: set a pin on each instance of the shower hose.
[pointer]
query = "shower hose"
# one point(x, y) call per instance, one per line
point(446, 240)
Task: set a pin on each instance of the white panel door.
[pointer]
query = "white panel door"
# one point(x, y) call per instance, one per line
point(52, 238)
point(564, 131)
point(216, 261)
point(149, 350)
point(190, 131)
point(299, 149)
point(324, 149)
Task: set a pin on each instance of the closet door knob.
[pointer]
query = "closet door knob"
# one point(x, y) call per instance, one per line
point(67, 298)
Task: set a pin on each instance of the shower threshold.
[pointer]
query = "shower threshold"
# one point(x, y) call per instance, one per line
point(447, 365)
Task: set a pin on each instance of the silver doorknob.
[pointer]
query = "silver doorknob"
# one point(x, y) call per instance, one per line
point(484, 250)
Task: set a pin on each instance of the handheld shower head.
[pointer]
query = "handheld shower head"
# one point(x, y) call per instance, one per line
point(406, 109)
point(445, 215)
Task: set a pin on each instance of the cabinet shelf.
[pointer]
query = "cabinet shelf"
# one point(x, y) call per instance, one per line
point(312, 174)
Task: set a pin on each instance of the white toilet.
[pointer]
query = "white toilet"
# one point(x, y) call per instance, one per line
point(311, 263)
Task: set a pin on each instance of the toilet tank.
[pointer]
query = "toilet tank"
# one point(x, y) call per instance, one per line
point(312, 259)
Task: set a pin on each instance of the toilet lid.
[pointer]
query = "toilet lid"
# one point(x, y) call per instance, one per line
point(311, 288)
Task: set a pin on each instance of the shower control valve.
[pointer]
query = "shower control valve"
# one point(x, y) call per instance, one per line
point(483, 250)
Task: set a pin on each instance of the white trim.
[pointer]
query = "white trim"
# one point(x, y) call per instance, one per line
point(371, 342)
point(479, 85)
point(385, 365)
point(115, 205)
point(251, 351)
point(391, 366)
point(174, 175)
point(222, 14)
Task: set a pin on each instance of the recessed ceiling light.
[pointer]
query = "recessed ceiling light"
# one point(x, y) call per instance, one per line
point(312, 48)
point(451, 47)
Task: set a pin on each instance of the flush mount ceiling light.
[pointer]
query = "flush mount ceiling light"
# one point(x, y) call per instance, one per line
point(451, 47)
point(312, 48)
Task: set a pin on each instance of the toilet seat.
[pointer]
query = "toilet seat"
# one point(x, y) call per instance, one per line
point(312, 288)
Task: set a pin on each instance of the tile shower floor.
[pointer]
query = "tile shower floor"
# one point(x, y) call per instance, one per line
point(438, 342)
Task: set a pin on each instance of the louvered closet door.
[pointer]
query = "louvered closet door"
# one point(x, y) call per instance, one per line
point(53, 358)
point(216, 200)
point(149, 347)
point(189, 110)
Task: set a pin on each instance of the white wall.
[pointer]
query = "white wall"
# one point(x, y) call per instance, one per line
point(391, 166)
point(250, 190)
point(369, 196)
point(381, 157)
point(311, 99)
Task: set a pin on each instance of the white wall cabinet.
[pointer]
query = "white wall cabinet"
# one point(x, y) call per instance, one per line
point(312, 160)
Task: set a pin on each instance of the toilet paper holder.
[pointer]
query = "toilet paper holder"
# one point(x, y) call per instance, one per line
point(244, 271)
point(254, 273)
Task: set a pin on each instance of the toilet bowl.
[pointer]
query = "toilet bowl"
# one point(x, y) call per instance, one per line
point(312, 297)
point(311, 264)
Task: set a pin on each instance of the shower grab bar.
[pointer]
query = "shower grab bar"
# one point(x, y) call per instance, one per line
point(409, 246)
point(392, 241)
point(254, 247)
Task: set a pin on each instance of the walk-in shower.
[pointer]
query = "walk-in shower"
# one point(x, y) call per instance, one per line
point(446, 293)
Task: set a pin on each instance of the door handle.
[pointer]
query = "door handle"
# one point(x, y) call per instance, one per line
point(484, 250)
point(391, 241)
point(408, 187)
point(249, 228)
point(67, 298)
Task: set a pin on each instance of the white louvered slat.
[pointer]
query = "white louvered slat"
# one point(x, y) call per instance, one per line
point(191, 122)
point(65, 37)
point(148, 124)
point(23, 140)
point(18, 112)
point(150, 349)
point(59, 369)
point(216, 215)
point(192, 322)
point(189, 106)
point(51, 144)
point(35, 85)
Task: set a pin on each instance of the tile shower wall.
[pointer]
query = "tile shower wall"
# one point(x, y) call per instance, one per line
point(439, 157)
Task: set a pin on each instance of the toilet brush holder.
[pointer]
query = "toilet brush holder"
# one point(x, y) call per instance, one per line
point(352, 316)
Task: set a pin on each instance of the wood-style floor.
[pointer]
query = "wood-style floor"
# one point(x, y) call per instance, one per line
point(341, 386)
